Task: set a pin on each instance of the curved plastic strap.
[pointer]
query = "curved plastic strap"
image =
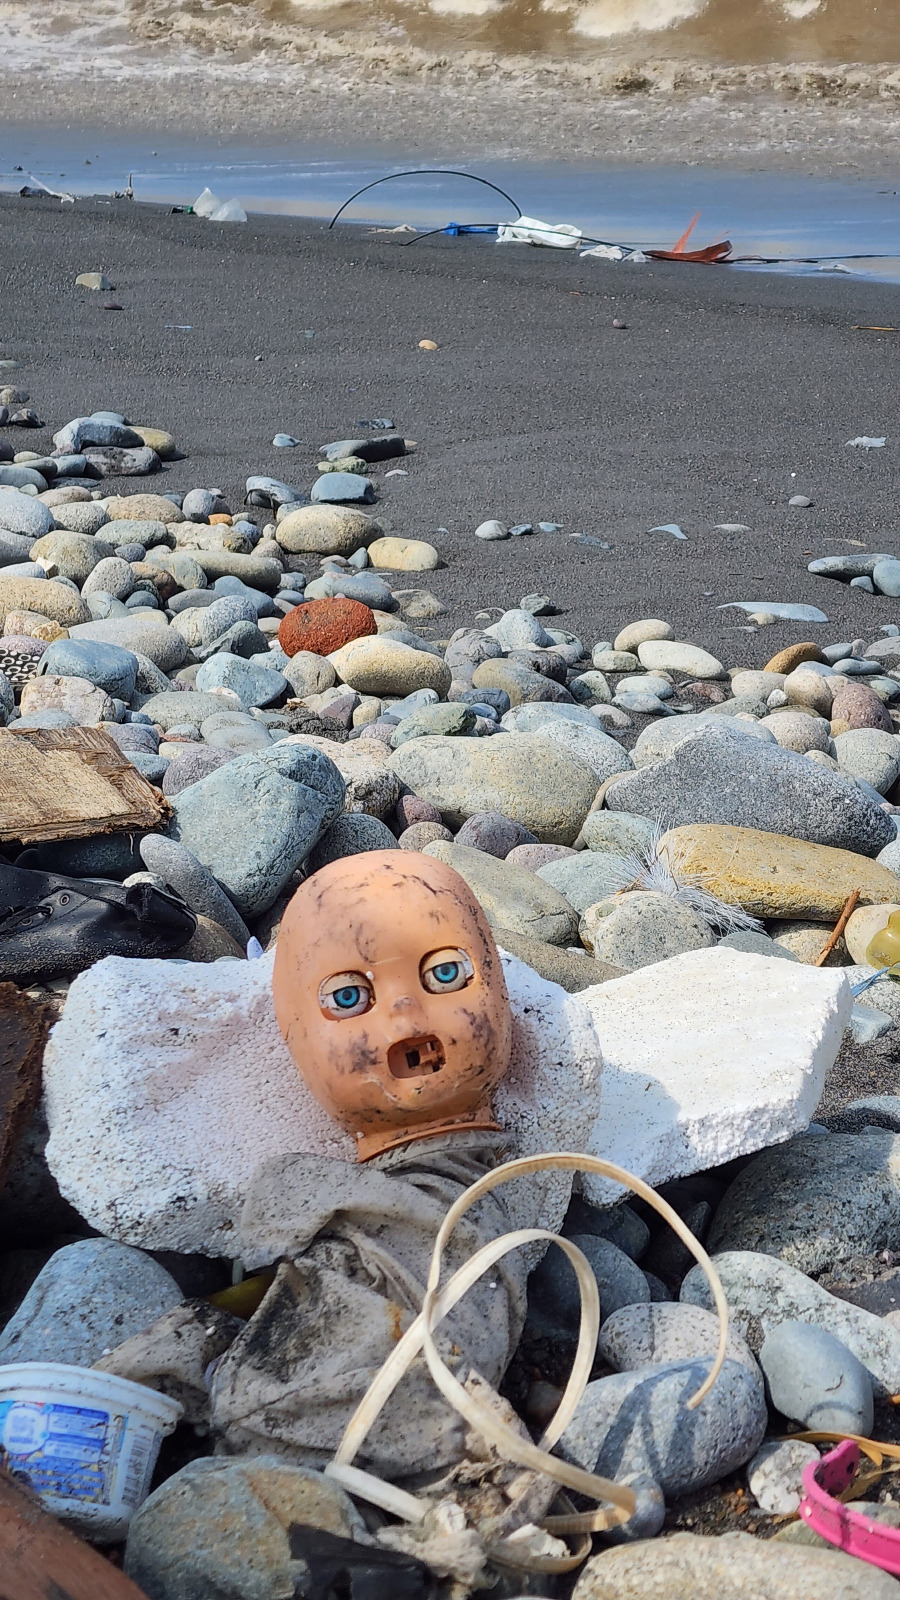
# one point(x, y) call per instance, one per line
point(437, 1303)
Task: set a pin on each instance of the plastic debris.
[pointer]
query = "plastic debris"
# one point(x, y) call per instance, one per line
point(605, 252)
point(396, 472)
point(865, 443)
point(285, 441)
point(205, 204)
point(668, 527)
point(731, 527)
point(528, 230)
point(776, 608)
point(229, 212)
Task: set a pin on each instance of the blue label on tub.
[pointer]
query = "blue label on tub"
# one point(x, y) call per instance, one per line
point(68, 1451)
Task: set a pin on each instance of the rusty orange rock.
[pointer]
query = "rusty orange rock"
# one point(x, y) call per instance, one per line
point(325, 625)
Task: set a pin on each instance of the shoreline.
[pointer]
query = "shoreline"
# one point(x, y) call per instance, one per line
point(486, 106)
point(723, 396)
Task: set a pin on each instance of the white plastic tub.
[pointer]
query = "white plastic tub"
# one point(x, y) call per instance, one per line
point(85, 1441)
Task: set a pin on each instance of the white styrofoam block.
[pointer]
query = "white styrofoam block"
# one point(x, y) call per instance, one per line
point(167, 1084)
point(710, 1055)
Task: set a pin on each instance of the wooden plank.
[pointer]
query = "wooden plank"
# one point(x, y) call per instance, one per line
point(23, 1033)
point(71, 783)
point(42, 1560)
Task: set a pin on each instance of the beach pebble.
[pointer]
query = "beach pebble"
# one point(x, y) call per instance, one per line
point(349, 835)
point(587, 877)
point(218, 1525)
point(812, 1378)
point(886, 576)
point(491, 530)
point(726, 777)
point(856, 705)
point(364, 587)
point(589, 687)
point(517, 630)
point(638, 633)
point(595, 749)
point(323, 626)
point(192, 763)
point(687, 1566)
point(772, 875)
point(336, 488)
point(254, 686)
point(526, 777)
point(54, 601)
point(106, 666)
point(510, 897)
point(617, 832)
point(380, 666)
point(686, 660)
point(553, 1298)
point(420, 834)
point(496, 834)
point(649, 1335)
point(146, 633)
point(763, 1292)
point(606, 660)
point(93, 280)
point(87, 706)
point(23, 514)
point(775, 1475)
point(111, 576)
point(179, 868)
point(87, 1299)
point(637, 1421)
point(638, 929)
point(814, 1202)
point(325, 530)
point(870, 754)
point(403, 555)
point(448, 720)
point(795, 730)
point(254, 821)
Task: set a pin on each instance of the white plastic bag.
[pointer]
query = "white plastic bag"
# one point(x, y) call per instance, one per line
point(528, 230)
point(229, 212)
point(605, 252)
point(206, 204)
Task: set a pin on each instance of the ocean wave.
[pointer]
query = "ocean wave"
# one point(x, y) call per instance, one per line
point(806, 49)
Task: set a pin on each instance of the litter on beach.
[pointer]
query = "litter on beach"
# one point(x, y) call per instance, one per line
point(528, 230)
point(864, 443)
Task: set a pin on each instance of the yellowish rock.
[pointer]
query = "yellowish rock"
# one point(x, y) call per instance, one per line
point(862, 927)
point(786, 660)
point(33, 625)
point(809, 689)
point(772, 875)
point(403, 555)
point(157, 439)
point(49, 599)
point(638, 633)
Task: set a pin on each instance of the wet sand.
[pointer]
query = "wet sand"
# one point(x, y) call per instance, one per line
point(726, 394)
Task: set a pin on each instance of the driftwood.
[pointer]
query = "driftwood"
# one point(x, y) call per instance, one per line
point(70, 783)
point(23, 1034)
point(42, 1560)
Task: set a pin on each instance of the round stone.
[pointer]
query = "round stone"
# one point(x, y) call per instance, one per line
point(856, 706)
point(403, 555)
point(326, 530)
point(420, 834)
point(81, 516)
point(638, 633)
point(494, 833)
point(687, 660)
point(323, 626)
point(410, 810)
point(786, 660)
point(382, 666)
point(815, 1380)
point(351, 835)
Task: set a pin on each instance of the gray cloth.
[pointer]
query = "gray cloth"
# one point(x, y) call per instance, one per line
point(355, 1245)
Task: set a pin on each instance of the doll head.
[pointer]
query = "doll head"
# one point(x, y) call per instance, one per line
point(390, 994)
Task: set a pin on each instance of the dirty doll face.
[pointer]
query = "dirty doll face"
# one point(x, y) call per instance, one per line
point(389, 992)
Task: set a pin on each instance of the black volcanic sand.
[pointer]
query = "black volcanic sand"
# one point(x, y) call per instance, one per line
point(534, 407)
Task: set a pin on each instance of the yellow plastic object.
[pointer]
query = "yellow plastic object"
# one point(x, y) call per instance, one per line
point(243, 1298)
point(884, 949)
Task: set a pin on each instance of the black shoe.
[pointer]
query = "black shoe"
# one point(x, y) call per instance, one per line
point(50, 926)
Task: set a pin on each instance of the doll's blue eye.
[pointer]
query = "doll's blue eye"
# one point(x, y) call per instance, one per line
point(347, 998)
point(445, 971)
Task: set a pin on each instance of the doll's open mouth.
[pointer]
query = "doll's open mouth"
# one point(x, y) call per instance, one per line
point(416, 1058)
